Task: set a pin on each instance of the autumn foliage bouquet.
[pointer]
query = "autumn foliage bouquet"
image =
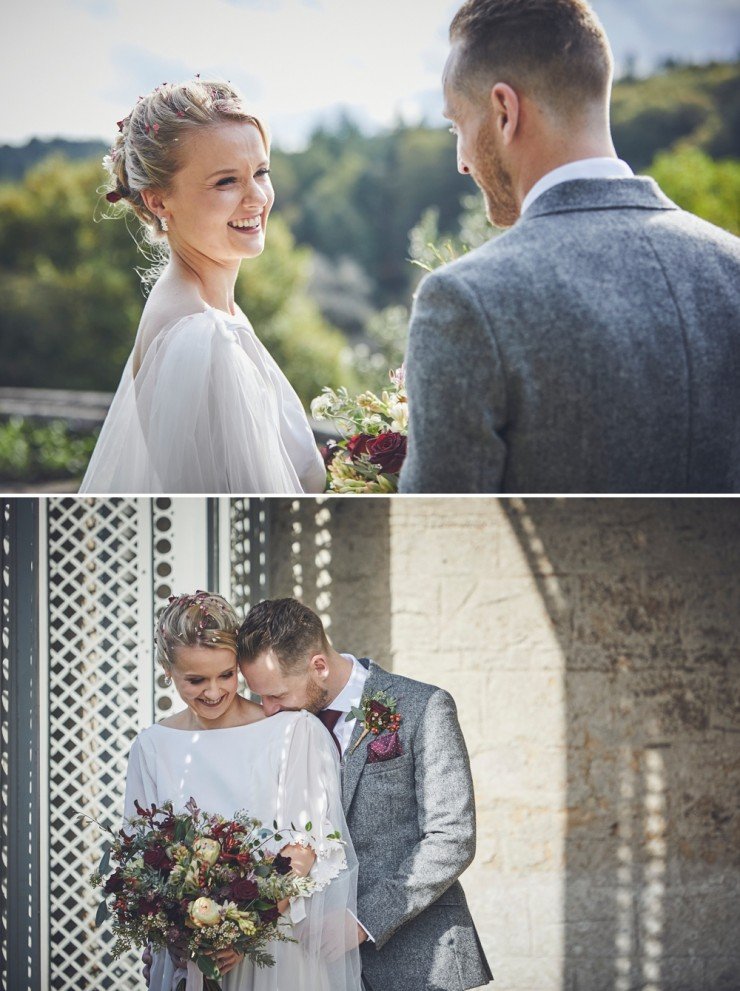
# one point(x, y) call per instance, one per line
point(373, 445)
point(196, 879)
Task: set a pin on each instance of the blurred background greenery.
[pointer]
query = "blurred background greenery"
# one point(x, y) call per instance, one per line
point(331, 293)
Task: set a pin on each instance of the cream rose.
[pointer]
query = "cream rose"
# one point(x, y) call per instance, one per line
point(207, 850)
point(205, 912)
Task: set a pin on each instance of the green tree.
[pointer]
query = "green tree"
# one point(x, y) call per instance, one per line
point(70, 297)
point(701, 185)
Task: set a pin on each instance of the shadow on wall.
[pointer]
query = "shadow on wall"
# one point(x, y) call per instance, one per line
point(646, 617)
point(339, 565)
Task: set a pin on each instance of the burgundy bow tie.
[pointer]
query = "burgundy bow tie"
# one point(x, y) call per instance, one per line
point(330, 718)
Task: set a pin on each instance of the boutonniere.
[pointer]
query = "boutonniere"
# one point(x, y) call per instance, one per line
point(377, 714)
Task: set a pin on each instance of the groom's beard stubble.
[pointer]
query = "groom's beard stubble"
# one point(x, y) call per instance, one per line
point(495, 182)
point(317, 698)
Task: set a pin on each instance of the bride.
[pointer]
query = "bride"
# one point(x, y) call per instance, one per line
point(223, 751)
point(201, 406)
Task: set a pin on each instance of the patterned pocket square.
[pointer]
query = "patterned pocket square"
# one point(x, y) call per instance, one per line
point(384, 748)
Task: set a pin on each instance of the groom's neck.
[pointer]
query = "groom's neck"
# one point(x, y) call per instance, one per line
point(550, 149)
point(340, 669)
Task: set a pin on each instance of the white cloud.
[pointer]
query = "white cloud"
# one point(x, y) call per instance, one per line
point(301, 58)
point(73, 67)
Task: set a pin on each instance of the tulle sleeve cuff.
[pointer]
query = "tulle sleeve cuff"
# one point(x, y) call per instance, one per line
point(331, 860)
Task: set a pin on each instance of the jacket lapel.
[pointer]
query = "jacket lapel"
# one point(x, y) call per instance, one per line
point(353, 760)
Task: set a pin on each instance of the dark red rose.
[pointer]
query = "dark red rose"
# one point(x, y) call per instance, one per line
point(114, 883)
point(358, 445)
point(148, 906)
point(378, 709)
point(282, 864)
point(157, 858)
point(244, 890)
point(270, 914)
point(388, 451)
point(329, 452)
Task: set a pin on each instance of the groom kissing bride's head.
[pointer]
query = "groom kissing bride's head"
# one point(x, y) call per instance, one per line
point(526, 86)
point(286, 658)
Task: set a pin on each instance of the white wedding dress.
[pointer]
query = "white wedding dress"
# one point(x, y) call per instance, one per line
point(209, 410)
point(283, 768)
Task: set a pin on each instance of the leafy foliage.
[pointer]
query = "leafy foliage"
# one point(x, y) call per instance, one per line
point(70, 298)
point(701, 185)
point(695, 104)
point(37, 452)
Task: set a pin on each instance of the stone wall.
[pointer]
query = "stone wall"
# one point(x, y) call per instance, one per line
point(594, 652)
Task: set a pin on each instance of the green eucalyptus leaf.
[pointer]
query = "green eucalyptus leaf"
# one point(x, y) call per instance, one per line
point(207, 966)
point(102, 913)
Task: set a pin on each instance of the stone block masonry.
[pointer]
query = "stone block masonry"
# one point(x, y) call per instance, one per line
point(593, 649)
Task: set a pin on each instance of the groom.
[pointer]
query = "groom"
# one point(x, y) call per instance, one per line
point(595, 346)
point(407, 796)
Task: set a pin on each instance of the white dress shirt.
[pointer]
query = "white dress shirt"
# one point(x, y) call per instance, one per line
point(584, 168)
point(348, 699)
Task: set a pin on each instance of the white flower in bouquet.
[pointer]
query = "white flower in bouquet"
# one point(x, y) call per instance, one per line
point(399, 412)
point(207, 850)
point(204, 912)
point(369, 457)
point(321, 406)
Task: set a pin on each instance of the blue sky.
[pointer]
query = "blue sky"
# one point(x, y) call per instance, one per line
point(77, 66)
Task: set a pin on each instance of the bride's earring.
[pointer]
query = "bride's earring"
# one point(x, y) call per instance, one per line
point(165, 225)
point(167, 681)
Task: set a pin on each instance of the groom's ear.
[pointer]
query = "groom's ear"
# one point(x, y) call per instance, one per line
point(505, 104)
point(318, 663)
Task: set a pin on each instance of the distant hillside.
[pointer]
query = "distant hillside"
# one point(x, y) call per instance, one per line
point(692, 104)
point(15, 161)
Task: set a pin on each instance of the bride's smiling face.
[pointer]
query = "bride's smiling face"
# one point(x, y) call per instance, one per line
point(205, 679)
point(221, 196)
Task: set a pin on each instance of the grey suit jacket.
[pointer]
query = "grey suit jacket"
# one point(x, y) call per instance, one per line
point(593, 347)
point(412, 822)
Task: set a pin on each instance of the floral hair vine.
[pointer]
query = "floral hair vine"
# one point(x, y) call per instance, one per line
point(198, 599)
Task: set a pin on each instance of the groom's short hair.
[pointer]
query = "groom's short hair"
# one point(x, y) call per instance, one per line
point(555, 49)
point(291, 630)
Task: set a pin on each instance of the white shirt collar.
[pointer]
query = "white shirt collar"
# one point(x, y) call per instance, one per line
point(351, 694)
point(584, 168)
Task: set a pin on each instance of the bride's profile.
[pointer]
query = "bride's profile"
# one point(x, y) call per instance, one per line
point(202, 406)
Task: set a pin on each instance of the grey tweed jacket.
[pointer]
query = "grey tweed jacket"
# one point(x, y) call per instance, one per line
point(593, 347)
point(412, 822)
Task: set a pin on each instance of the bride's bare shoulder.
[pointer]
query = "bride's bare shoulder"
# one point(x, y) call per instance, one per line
point(251, 712)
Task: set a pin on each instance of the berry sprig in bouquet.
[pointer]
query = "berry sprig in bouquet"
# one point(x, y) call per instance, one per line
point(373, 445)
point(197, 880)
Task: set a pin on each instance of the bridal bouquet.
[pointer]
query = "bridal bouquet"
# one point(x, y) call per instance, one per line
point(373, 445)
point(199, 880)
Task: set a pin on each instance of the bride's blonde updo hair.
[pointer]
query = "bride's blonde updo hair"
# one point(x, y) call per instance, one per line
point(199, 620)
point(148, 150)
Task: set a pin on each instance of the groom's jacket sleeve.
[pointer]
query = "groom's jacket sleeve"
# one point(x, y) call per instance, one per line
point(446, 815)
point(456, 391)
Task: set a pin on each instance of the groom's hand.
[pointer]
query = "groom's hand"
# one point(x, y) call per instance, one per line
point(361, 934)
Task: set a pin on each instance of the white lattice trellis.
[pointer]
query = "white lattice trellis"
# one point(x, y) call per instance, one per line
point(111, 565)
point(99, 629)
